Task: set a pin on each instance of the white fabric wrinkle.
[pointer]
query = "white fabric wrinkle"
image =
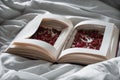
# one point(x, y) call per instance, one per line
point(17, 13)
point(52, 75)
point(20, 23)
point(19, 6)
point(7, 13)
point(1, 68)
point(19, 75)
point(38, 70)
point(26, 17)
point(70, 72)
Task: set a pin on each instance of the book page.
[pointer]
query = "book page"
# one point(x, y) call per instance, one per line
point(99, 44)
point(33, 48)
point(54, 30)
point(49, 32)
point(114, 43)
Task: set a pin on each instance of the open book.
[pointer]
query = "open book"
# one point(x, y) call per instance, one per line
point(54, 38)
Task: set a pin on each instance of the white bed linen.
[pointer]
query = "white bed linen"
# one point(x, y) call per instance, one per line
point(15, 14)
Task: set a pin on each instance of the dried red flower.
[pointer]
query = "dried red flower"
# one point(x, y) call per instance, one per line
point(88, 39)
point(48, 35)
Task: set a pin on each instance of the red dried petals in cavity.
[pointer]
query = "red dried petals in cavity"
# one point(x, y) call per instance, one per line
point(88, 39)
point(48, 35)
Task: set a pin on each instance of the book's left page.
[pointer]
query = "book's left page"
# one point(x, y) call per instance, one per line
point(42, 38)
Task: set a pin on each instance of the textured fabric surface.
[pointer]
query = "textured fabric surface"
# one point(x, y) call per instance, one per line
point(15, 14)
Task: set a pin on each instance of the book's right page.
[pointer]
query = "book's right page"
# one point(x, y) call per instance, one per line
point(92, 41)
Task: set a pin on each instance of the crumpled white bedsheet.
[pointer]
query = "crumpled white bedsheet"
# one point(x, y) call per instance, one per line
point(15, 14)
